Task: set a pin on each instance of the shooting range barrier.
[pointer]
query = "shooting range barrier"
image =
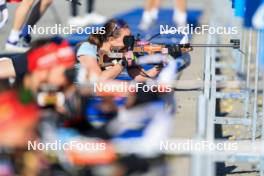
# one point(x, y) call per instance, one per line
point(245, 85)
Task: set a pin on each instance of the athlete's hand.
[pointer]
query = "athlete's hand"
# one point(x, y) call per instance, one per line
point(177, 50)
point(186, 49)
point(128, 56)
point(174, 50)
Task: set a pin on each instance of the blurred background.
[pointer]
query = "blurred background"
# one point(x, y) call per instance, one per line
point(219, 96)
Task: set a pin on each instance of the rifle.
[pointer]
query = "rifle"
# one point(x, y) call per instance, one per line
point(140, 48)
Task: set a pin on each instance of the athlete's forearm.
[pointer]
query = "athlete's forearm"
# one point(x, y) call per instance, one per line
point(111, 73)
point(6, 68)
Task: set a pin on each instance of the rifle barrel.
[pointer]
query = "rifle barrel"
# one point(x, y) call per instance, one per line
point(213, 45)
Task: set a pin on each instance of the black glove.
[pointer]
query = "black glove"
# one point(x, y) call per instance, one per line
point(159, 66)
point(174, 50)
point(123, 62)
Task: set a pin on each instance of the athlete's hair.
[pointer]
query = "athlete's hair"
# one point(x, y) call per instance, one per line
point(112, 29)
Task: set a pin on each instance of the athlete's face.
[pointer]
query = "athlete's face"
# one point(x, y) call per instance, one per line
point(118, 42)
point(57, 77)
point(54, 77)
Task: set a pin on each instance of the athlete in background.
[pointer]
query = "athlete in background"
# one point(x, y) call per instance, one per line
point(16, 41)
point(150, 14)
point(90, 16)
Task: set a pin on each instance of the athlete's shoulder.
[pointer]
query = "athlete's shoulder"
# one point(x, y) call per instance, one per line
point(87, 48)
